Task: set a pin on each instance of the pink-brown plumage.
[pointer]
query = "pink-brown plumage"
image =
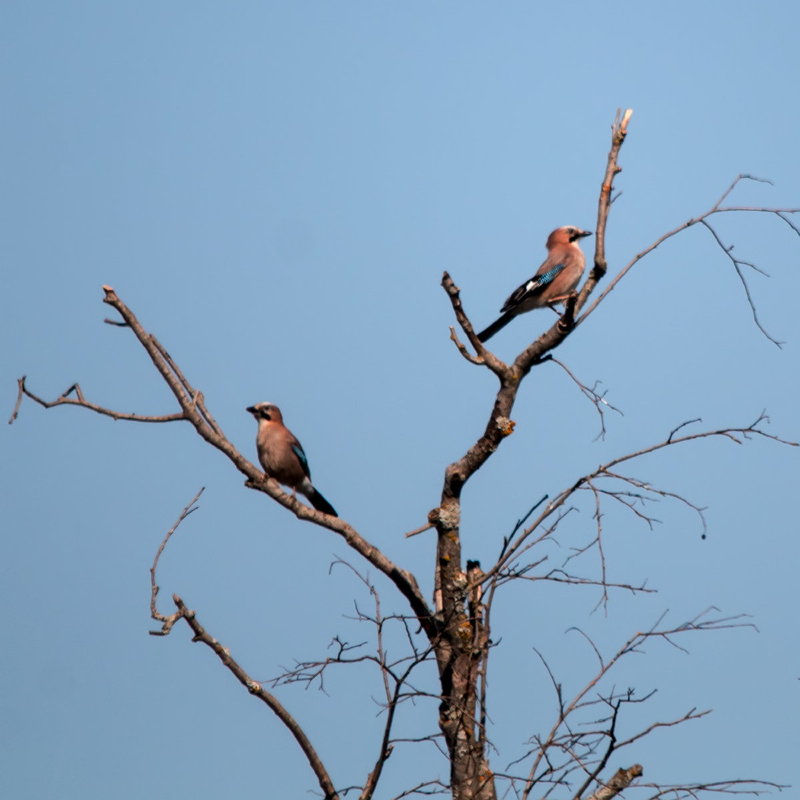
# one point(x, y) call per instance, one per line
point(282, 456)
point(555, 279)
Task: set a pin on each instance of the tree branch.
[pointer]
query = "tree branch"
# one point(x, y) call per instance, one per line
point(167, 622)
point(717, 208)
point(193, 409)
point(511, 376)
point(619, 130)
point(223, 653)
point(257, 690)
point(622, 780)
point(513, 548)
point(64, 399)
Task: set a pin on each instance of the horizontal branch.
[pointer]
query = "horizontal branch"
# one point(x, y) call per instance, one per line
point(691, 791)
point(79, 400)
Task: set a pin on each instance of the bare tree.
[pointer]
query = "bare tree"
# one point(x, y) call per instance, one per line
point(570, 754)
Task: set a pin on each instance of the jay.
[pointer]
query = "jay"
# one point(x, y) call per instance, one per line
point(282, 456)
point(553, 282)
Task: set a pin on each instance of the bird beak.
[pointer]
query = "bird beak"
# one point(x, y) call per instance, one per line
point(584, 233)
point(251, 409)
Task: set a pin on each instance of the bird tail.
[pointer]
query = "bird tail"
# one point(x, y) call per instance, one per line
point(320, 503)
point(497, 325)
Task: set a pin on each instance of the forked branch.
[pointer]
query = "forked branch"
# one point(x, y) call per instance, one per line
point(537, 531)
point(703, 219)
point(167, 622)
point(223, 653)
point(194, 410)
point(581, 743)
point(510, 376)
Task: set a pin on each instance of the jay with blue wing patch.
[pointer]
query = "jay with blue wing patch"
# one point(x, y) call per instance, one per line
point(553, 282)
point(283, 457)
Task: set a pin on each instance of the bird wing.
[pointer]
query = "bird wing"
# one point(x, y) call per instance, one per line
point(532, 287)
point(297, 449)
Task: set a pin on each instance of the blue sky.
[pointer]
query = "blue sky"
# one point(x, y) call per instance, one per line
point(275, 189)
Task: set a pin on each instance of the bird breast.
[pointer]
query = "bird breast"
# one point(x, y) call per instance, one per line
point(277, 456)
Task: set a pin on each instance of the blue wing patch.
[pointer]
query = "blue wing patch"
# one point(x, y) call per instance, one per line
point(298, 451)
point(547, 277)
point(532, 287)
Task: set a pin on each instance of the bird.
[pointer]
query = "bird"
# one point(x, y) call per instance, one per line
point(553, 281)
point(283, 457)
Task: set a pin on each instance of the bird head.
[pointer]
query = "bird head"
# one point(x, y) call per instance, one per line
point(566, 235)
point(266, 411)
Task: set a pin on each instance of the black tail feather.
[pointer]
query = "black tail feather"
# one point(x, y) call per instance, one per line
point(320, 503)
point(497, 325)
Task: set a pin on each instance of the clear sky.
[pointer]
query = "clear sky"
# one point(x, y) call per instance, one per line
point(275, 189)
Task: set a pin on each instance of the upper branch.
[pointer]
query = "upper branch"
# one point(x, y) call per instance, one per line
point(485, 356)
point(510, 376)
point(190, 400)
point(717, 208)
point(619, 130)
point(64, 399)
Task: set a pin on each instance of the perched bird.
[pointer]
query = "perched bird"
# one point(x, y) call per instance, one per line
point(282, 456)
point(553, 281)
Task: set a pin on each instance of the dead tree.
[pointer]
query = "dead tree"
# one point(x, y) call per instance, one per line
point(568, 756)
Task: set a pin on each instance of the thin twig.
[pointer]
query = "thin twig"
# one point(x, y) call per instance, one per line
point(64, 399)
point(717, 208)
point(169, 621)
